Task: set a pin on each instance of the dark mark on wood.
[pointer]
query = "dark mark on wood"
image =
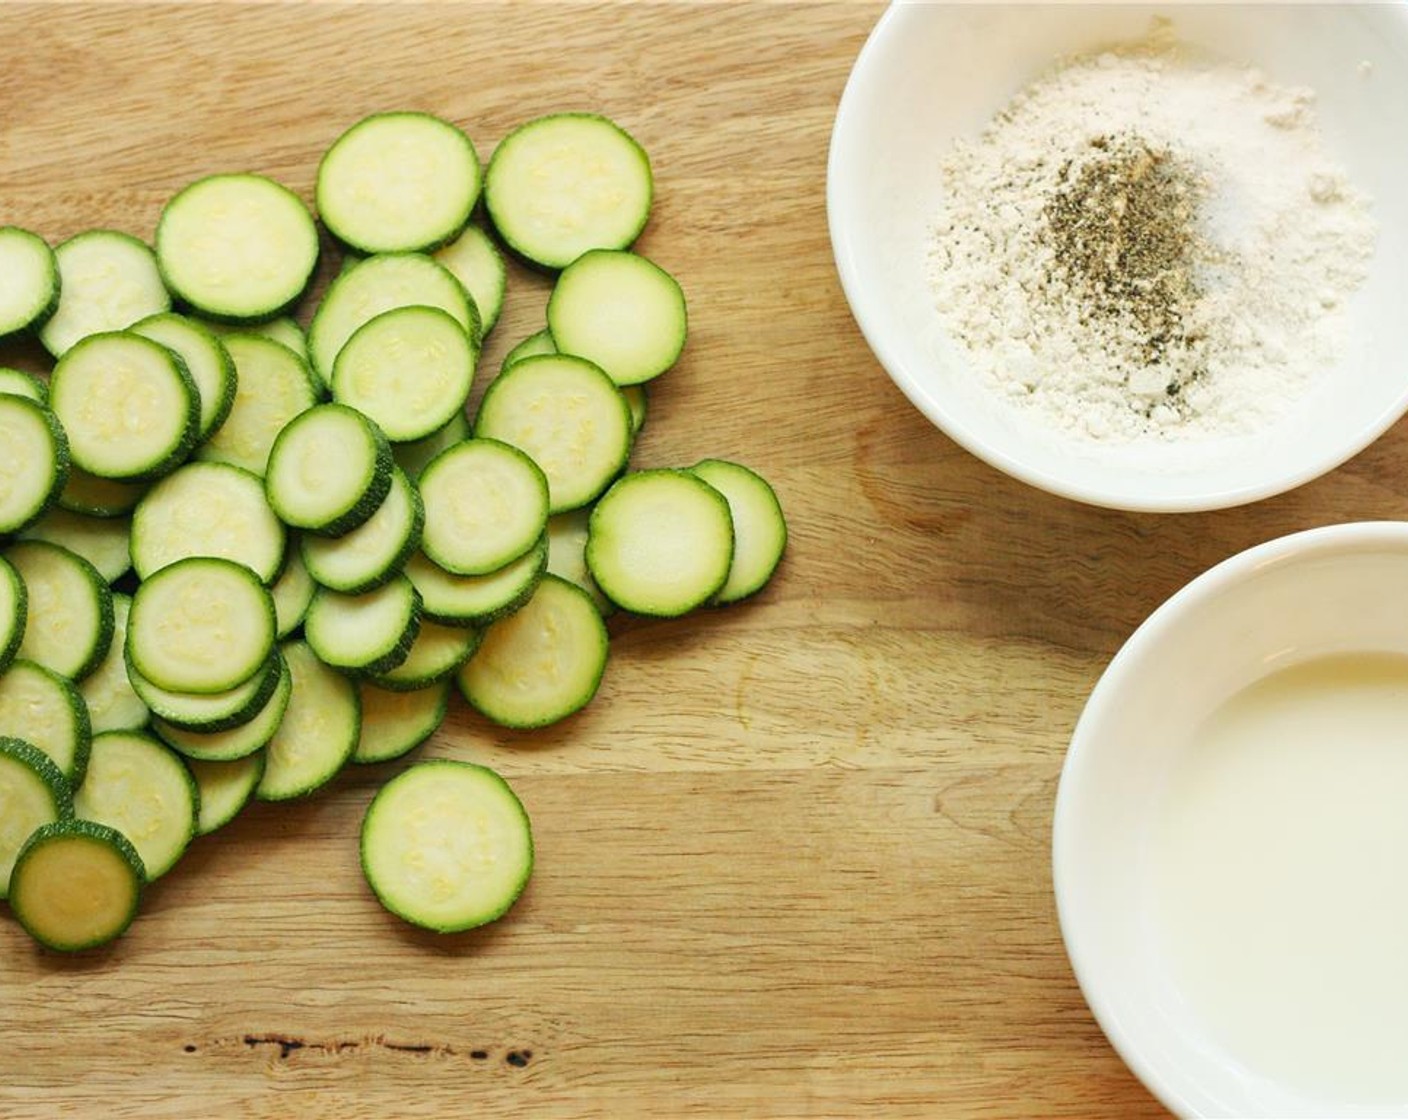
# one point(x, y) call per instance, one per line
point(518, 1058)
point(479, 1055)
point(190, 1048)
point(412, 1047)
point(286, 1045)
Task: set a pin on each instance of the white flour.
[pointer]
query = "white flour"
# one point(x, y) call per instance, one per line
point(1281, 238)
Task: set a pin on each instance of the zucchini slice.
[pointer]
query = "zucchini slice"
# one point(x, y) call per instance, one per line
point(435, 655)
point(139, 787)
point(112, 702)
point(105, 542)
point(476, 262)
point(562, 184)
point(34, 462)
point(380, 283)
point(237, 247)
point(535, 345)
point(108, 281)
point(273, 386)
point(92, 496)
point(127, 404)
point(237, 741)
point(637, 402)
point(567, 554)
point(14, 609)
point(69, 623)
point(486, 504)
point(541, 663)
point(570, 419)
point(759, 529)
point(208, 509)
point(225, 788)
point(373, 553)
point(661, 542)
point(76, 884)
point(292, 592)
point(318, 733)
point(33, 792)
point(415, 457)
point(476, 600)
point(210, 712)
point(447, 845)
point(409, 369)
point(368, 633)
point(621, 312)
point(201, 625)
point(283, 330)
point(398, 182)
point(45, 709)
point(395, 723)
point(29, 281)
point(329, 470)
point(207, 361)
point(17, 382)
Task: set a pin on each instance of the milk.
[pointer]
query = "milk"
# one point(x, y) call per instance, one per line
point(1278, 878)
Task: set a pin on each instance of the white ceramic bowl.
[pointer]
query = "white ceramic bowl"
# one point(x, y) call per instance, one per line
point(1336, 590)
point(931, 73)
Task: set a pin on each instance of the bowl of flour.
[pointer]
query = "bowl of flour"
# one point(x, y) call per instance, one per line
point(1141, 262)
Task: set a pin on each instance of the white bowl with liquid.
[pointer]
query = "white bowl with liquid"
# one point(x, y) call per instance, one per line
point(932, 73)
point(1230, 846)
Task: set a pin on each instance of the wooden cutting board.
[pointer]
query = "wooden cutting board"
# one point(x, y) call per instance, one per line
point(794, 859)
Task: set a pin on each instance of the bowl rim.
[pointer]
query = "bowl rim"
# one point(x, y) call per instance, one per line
point(1306, 545)
point(846, 247)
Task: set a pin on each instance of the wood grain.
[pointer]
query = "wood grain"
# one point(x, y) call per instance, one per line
point(793, 861)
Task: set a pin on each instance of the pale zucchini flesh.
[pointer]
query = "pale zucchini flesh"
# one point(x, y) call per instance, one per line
point(283, 330)
point(207, 361)
point(112, 702)
point(225, 788)
point(273, 385)
point(16, 382)
point(395, 723)
point(369, 633)
point(76, 884)
point(108, 281)
point(759, 529)
point(567, 554)
point(292, 592)
point(45, 709)
point(486, 504)
point(536, 344)
point(447, 845)
point(414, 457)
point(105, 542)
point(99, 497)
point(136, 785)
point(69, 613)
point(318, 733)
point(34, 462)
point(476, 262)
point(329, 470)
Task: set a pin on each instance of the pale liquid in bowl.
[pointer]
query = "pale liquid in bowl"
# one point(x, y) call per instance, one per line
point(1279, 878)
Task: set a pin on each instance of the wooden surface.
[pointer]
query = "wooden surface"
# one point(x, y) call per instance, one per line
point(794, 859)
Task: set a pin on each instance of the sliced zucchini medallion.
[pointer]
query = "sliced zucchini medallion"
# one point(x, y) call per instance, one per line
point(415, 457)
point(377, 284)
point(638, 404)
point(318, 733)
point(14, 609)
point(374, 552)
point(99, 497)
point(128, 406)
point(45, 709)
point(446, 845)
point(759, 529)
point(16, 382)
point(283, 330)
point(620, 311)
point(208, 713)
point(535, 345)
point(29, 280)
point(562, 184)
point(567, 554)
point(69, 623)
point(105, 542)
point(486, 504)
point(329, 470)
point(112, 702)
point(108, 281)
point(136, 785)
point(368, 633)
point(76, 885)
point(208, 509)
point(395, 723)
point(33, 792)
point(273, 386)
point(476, 263)
point(435, 655)
point(476, 600)
point(661, 542)
point(207, 361)
point(541, 663)
point(237, 247)
point(225, 788)
point(201, 625)
point(568, 416)
point(409, 369)
point(241, 739)
point(34, 462)
point(292, 592)
point(398, 181)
